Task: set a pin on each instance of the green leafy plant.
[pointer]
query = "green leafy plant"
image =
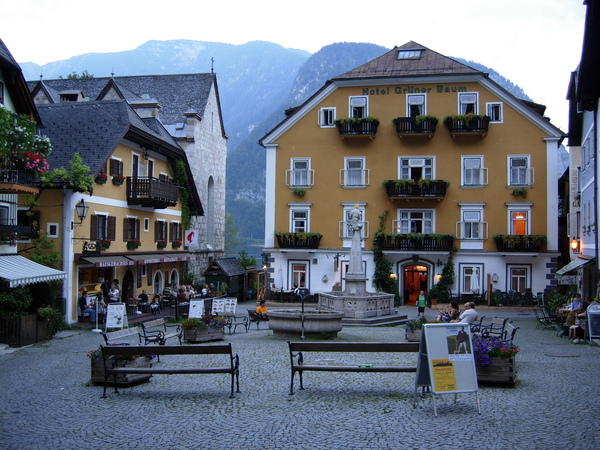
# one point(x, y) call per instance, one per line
point(56, 319)
point(520, 192)
point(245, 259)
point(416, 324)
point(486, 348)
point(299, 192)
point(383, 267)
point(207, 320)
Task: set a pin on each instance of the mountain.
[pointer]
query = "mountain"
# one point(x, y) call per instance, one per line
point(257, 82)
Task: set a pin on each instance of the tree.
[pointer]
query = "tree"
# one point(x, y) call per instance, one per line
point(246, 260)
point(383, 267)
point(231, 236)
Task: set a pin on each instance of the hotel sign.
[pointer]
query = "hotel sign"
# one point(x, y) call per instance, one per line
point(439, 89)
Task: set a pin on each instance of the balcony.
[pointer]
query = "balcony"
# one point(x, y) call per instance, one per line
point(151, 192)
point(19, 231)
point(350, 127)
point(416, 242)
point(411, 189)
point(415, 126)
point(298, 240)
point(14, 180)
point(520, 243)
point(467, 124)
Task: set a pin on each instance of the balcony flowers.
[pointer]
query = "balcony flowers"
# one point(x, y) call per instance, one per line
point(487, 348)
point(207, 320)
point(33, 162)
point(101, 178)
point(104, 244)
point(8, 238)
point(176, 244)
point(118, 179)
point(132, 244)
point(161, 244)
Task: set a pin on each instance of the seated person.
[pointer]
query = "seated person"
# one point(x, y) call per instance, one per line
point(469, 315)
point(87, 308)
point(155, 304)
point(143, 297)
point(451, 313)
point(262, 310)
point(577, 330)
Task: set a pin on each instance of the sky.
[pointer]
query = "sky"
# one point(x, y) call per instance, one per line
point(534, 43)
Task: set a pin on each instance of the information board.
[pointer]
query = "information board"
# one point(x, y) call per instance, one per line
point(593, 320)
point(196, 309)
point(116, 316)
point(224, 305)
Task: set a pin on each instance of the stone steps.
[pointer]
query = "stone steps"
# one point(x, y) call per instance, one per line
point(378, 321)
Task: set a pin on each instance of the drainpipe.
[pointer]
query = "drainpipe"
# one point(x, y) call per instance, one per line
point(596, 171)
point(67, 252)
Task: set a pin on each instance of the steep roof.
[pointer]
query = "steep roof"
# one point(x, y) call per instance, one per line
point(16, 85)
point(175, 93)
point(94, 129)
point(231, 267)
point(424, 62)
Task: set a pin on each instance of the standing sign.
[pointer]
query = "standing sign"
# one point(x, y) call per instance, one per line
point(196, 309)
point(593, 320)
point(224, 306)
point(116, 316)
point(447, 363)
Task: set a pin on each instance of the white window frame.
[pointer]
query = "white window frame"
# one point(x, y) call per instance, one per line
point(413, 99)
point(471, 278)
point(146, 224)
point(465, 99)
point(52, 229)
point(406, 217)
point(526, 179)
point(327, 117)
point(511, 275)
point(294, 176)
point(472, 230)
point(358, 106)
point(293, 271)
point(515, 209)
point(467, 174)
point(295, 211)
point(350, 178)
point(489, 108)
point(427, 163)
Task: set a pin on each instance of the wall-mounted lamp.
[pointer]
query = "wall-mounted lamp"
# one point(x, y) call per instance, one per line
point(437, 278)
point(325, 279)
point(393, 276)
point(494, 278)
point(146, 155)
point(575, 245)
point(81, 209)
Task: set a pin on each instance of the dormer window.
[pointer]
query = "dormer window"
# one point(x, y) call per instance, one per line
point(410, 54)
point(71, 96)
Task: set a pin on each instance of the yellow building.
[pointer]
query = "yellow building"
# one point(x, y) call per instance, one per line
point(455, 160)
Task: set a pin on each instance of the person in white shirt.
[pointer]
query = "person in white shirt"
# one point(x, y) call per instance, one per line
point(469, 315)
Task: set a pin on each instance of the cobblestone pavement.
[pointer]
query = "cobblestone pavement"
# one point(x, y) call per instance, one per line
point(47, 402)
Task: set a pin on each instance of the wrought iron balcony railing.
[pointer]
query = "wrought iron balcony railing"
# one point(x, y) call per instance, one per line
point(366, 127)
point(520, 243)
point(406, 189)
point(152, 192)
point(416, 241)
point(298, 240)
point(467, 124)
point(412, 126)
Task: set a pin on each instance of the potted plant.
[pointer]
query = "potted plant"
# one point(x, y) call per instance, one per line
point(299, 192)
point(104, 244)
point(495, 360)
point(520, 192)
point(118, 179)
point(161, 244)
point(132, 244)
point(101, 178)
point(413, 329)
point(176, 244)
point(97, 367)
point(205, 328)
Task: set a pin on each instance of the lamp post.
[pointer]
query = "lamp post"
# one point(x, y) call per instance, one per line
point(81, 209)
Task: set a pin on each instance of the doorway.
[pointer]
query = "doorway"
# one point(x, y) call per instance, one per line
point(128, 287)
point(415, 280)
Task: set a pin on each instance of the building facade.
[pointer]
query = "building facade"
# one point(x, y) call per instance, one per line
point(437, 157)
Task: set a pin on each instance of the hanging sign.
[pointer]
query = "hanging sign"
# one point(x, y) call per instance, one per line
point(190, 238)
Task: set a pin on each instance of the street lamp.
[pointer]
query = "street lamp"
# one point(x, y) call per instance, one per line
point(575, 245)
point(81, 209)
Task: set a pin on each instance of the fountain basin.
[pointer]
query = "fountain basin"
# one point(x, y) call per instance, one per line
point(288, 322)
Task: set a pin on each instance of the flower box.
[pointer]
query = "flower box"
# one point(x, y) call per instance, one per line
point(413, 335)
point(132, 245)
point(118, 179)
point(101, 179)
point(161, 244)
point(205, 334)
point(176, 244)
point(501, 370)
point(122, 379)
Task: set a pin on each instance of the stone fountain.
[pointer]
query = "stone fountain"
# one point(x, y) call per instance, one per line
point(355, 301)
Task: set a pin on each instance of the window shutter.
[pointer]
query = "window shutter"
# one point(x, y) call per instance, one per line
point(111, 228)
point(137, 228)
point(157, 230)
point(94, 228)
point(574, 179)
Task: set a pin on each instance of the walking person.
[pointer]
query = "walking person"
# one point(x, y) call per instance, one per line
point(421, 304)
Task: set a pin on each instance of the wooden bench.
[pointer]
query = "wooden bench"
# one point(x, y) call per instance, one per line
point(298, 350)
point(161, 335)
point(112, 350)
point(116, 337)
point(254, 317)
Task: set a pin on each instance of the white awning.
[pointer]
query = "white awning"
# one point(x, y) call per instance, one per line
point(572, 266)
point(21, 271)
point(108, 261)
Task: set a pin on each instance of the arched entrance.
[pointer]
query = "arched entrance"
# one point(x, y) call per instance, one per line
point(128, 288)
point(416, 279)
point(158, 282)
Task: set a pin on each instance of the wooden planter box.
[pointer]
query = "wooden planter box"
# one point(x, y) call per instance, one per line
point(24, 330)
point(413, 336)
point(204, 334)
point(122, 379)
point(501, 370)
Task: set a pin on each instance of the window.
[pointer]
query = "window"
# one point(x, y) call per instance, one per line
point(519, 222)
point(415, 105)
point(116, 167)
point(31, 223)
point(300, 175)
point(131, 228)
point(160, 230)
point(358, 107)
point(473, 172)
point(518, 278)
point(415, 221)
point(471, 280)
point(409, 54)
point(494, 110)
point(300, 219)
point(416, 168)
point(299, 274)
point(175, 232)
point(103, 226)
point(467, 103)
point(354, 174)
point(519, 173)
point(146, 224)
point(52, 230)
point(472, 225)
point(326, 117)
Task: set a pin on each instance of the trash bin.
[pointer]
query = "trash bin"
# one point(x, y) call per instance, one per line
point(60, 303)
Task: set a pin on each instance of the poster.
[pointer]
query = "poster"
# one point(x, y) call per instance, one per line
point(196, 309)
point(116, 316)
point(224, 306)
